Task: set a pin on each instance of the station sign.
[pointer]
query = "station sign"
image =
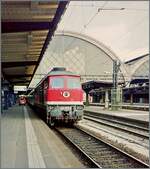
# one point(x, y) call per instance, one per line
point(20, 88)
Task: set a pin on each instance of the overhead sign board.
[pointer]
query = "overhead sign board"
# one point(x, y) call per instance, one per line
point(20, 88)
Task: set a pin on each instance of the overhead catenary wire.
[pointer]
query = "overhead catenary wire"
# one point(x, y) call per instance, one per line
point(130, 9)
point(89, 21)
point(102, 8)
point(85, 26)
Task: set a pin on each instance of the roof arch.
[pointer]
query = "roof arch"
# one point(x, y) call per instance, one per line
point(106, 49)
point(142, 68)
point(79, 54)
point(139, 67)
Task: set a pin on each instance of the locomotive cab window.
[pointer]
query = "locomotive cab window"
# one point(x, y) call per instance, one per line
point(73, 83)
point(57, 83)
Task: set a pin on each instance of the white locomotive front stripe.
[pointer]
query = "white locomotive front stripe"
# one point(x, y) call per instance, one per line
point(64, 103)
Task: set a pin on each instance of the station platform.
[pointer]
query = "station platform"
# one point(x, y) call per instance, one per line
point(27, 142)
point(132, 114)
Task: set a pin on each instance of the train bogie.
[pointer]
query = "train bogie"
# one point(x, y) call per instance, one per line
point(65, 114)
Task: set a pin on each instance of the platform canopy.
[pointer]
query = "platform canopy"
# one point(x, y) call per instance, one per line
point(139, 81)
point(91, 85)
point(27, 28)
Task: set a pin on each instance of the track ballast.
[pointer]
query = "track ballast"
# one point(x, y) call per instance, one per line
point(100, 153)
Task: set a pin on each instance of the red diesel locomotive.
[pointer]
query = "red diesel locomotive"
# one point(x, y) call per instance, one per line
point(60, 95)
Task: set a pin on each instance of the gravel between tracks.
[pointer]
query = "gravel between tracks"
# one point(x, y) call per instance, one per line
point(132, 148)
point(131, 137)
point(103, 154)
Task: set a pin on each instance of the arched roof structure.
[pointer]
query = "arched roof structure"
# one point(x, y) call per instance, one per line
point(80, 54)
point(139, 67)
point(107, 50)
point(122, 25)
point(142, 70)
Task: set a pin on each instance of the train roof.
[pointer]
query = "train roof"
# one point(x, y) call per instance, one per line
point(57, 73)
point(61, 73)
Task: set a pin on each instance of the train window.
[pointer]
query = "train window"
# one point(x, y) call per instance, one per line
point(73, 83)
point(57, 83)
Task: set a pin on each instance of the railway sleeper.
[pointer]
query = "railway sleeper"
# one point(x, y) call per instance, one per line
point(121, 162)
point(112, 163)
point(117, 165)
point(108, 154)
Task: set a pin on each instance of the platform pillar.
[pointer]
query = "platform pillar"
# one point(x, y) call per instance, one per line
point(102, 100)
point(87, 99)
point(131, 98)
point(5, 89)
point(106, 100)
point(9, 99)
point(6, 100)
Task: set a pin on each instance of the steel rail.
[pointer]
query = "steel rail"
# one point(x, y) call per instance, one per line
point(134, 122)
point(101, 154)
point(128, 124)
point(92, 164)
point(103, 122)
point(125, 153)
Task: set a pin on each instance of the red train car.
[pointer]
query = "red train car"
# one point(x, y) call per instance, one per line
point(22, 100)
point(61, 96)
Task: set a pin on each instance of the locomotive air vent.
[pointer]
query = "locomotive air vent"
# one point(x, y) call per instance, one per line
point(59, 69)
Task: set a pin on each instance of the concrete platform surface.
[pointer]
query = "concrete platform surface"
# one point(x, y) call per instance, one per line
point(133, 114)
point(27, 142)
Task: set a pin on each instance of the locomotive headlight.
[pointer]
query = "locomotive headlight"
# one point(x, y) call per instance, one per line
point(80, 107)
point(66, 94)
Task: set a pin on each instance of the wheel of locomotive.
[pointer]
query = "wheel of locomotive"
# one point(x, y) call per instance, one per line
point(71, 123)
point(51, 121)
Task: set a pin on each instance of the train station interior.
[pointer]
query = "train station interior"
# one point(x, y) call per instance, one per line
point(74, 82)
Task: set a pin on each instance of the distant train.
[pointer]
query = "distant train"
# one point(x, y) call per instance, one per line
point(22, 100)
point(60, 96)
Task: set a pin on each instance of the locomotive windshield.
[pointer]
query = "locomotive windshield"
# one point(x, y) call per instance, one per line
point(57, 83)
point(73, 83)
point(62, 82)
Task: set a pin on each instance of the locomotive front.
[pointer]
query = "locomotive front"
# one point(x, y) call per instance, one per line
point(64, 97)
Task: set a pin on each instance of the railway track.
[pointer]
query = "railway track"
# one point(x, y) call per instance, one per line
point(139, 132)
point(134, 127)
point(99, 153)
